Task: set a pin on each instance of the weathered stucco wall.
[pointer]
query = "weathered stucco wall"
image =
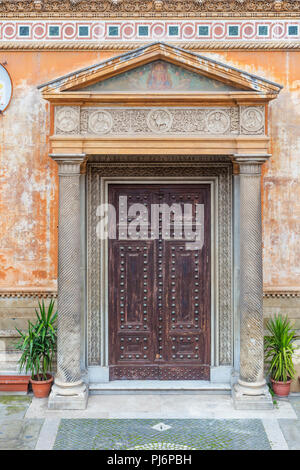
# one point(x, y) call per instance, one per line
point(28, 183)
point(28, 177)
point(281, 175)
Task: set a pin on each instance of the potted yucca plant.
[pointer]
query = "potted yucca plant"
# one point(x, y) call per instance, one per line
point(279, 350)
point(38, 346)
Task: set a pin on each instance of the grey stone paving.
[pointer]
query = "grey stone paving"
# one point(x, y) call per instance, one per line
point(291, 427)
point(16, 432)
point(20, 432)
point(143, 434)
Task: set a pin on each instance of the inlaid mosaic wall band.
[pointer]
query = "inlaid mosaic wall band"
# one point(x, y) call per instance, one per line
point(150, 30)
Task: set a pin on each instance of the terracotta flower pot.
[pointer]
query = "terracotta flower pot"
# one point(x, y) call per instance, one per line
point(282, 389)
point(41, 388)
point(14, 383)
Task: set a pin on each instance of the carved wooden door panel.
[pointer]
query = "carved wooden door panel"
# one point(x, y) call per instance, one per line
point(159, 289)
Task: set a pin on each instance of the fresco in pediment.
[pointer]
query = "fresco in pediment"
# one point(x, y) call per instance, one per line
point(159, 76)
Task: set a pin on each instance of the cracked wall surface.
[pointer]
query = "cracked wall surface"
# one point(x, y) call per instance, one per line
point(28, 177)
point(28, 192)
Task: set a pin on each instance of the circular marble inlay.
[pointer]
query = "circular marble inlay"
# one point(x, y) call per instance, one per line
point(128, 30)
point(39, 30)
point(8, 30)
point(158, 31)
point(188, 30)
point(97, 31)
point(278, 31)
point(69, 31)
point(218, 30)
point(248, 30)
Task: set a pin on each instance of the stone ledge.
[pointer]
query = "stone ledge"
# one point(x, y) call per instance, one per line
point(158, 386)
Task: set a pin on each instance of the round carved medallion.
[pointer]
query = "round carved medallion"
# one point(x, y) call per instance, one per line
point(252, 120)
point(159, 120)
point(100, 122)
point(218, 122)
point(67, 119)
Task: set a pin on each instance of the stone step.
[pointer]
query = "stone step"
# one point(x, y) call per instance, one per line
point(159, 386)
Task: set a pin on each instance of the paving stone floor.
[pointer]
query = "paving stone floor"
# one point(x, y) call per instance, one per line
point(16, 432)
point(291, 428)
point(20, 429)
point(143, 434)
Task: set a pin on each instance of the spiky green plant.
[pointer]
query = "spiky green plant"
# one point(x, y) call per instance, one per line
point(279, 348)
point(38, 344)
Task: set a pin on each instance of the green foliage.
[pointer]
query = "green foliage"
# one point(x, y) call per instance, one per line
point(279, 348)
point(38, 345)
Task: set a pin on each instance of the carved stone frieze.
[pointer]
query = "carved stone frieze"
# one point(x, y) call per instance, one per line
point(157, 121)
point(137, 8)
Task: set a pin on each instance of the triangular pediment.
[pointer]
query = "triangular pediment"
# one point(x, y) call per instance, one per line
point(158, 76)
point(160, 68)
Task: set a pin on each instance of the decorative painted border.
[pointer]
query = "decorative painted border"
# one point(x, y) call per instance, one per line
point(281, 293)
point(88, 31)
point(26, 294)
point(46, 295)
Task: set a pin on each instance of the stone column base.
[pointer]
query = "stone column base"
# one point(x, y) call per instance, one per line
point(252, 398)
point(68, 397)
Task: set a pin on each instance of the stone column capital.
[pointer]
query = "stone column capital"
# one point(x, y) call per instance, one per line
point(70, 164)
point(250, 164)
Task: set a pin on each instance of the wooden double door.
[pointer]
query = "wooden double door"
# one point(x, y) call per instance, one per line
point(159, 286)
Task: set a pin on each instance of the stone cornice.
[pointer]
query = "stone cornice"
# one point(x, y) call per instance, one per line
point(149, 8)
point(160, 51)
point(196, 46)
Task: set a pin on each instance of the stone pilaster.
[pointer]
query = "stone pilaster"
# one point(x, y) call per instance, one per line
point(69, 391)
point(251, 391)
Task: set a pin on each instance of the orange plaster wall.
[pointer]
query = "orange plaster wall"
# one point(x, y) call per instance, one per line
point(281, 175)
point(28, 177)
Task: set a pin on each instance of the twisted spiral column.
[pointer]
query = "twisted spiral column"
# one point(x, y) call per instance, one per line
point(68, 391)
point(251, 382)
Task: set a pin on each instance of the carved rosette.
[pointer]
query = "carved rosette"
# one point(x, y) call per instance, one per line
point(115, 122)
